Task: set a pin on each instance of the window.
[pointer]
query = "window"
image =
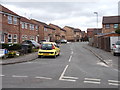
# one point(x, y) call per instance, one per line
point(2, 36)
point(115, 25)
point(15, 38)
point(107, 26)
point(9, 19)
point(23, 25)
point(24, 37)
point(45, 29)
point(36, 27)
point(26, 26)
point(15, 20)
point(9, 38)
point(32, 27)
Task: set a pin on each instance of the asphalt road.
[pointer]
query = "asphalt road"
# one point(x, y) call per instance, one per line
point(76, 67)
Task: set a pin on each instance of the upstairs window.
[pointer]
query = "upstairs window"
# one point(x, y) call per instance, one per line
point(115, 25)
point(36, 27)
point(23, 25)
point(9, 19)
point(26, 25)
point(32, 27)
point(107, 26)
point(15, 20)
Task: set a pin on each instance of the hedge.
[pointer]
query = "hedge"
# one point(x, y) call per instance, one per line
point(11, 46)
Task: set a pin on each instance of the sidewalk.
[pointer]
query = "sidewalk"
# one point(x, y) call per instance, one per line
point(104, 56)
point(20, 59)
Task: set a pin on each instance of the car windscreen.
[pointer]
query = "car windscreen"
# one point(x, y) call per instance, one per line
point(118, 43)
point(46, 46)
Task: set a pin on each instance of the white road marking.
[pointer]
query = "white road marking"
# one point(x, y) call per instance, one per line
point(91, 82)
point(63, 72)
point(92, 79)
point(2, 75)
point(114, 82)
point(18, 76)
point(42, 77)
point(68, 80)
point(70, 77)
point(70, 58)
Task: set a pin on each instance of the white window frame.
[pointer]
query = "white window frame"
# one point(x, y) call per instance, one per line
point(9, 38)
point(45, 29)
point(15, 20)
point(9, 19)
point(23, 25)
point(26, 27)
point(2, 36)
point(116, 25)
point(14, 38)
point(32, 27)
point(36, 27)
point(107, 26)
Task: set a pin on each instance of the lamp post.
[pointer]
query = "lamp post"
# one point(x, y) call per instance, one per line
point(97, 27)
point(96, 20)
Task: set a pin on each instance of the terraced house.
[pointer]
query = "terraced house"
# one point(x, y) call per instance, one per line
point(73, 34)
point(59, 32)
point(9, 26)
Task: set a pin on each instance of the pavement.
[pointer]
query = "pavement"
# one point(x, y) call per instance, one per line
point(20, 59)
point(101, 54)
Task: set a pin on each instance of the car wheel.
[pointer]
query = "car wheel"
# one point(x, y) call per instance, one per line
point(114, 53)
point(55, 55)
point(39, 56)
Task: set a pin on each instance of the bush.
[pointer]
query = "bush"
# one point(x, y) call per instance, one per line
point(11, 46)
point(117, 31)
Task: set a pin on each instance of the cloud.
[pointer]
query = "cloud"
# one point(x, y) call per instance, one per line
point(76, 14)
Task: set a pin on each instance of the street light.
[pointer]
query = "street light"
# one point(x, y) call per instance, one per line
point(97, 27)
point(97, 20)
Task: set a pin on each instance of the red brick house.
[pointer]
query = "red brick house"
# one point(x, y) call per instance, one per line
point(110, 23)
point(93, 31)
point(9, 26)
point(57, 31)
point(72, 34)
point(46, 32)
point(28, 30)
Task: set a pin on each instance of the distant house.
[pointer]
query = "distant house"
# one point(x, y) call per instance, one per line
point(72, 34)
point(46, 32)
point(93, 31)
point(110, 23)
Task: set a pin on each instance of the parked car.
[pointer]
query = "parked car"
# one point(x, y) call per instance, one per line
point(63, 41)
point(32, 42)
point(42, 41)
point(49, 49)
point(116, 48)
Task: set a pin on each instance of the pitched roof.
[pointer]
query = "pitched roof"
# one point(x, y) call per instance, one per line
point(57, 27)
point(111, 20)
point(6, 10)
point(44, 24)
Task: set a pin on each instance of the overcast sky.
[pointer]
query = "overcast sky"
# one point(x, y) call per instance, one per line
point(79, 14)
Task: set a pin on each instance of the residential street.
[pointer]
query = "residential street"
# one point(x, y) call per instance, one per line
point(76, 67)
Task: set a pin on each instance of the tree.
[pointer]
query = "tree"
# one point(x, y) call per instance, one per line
point(117, 31)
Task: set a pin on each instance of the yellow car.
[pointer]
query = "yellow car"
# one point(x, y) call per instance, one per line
point(49, 49)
